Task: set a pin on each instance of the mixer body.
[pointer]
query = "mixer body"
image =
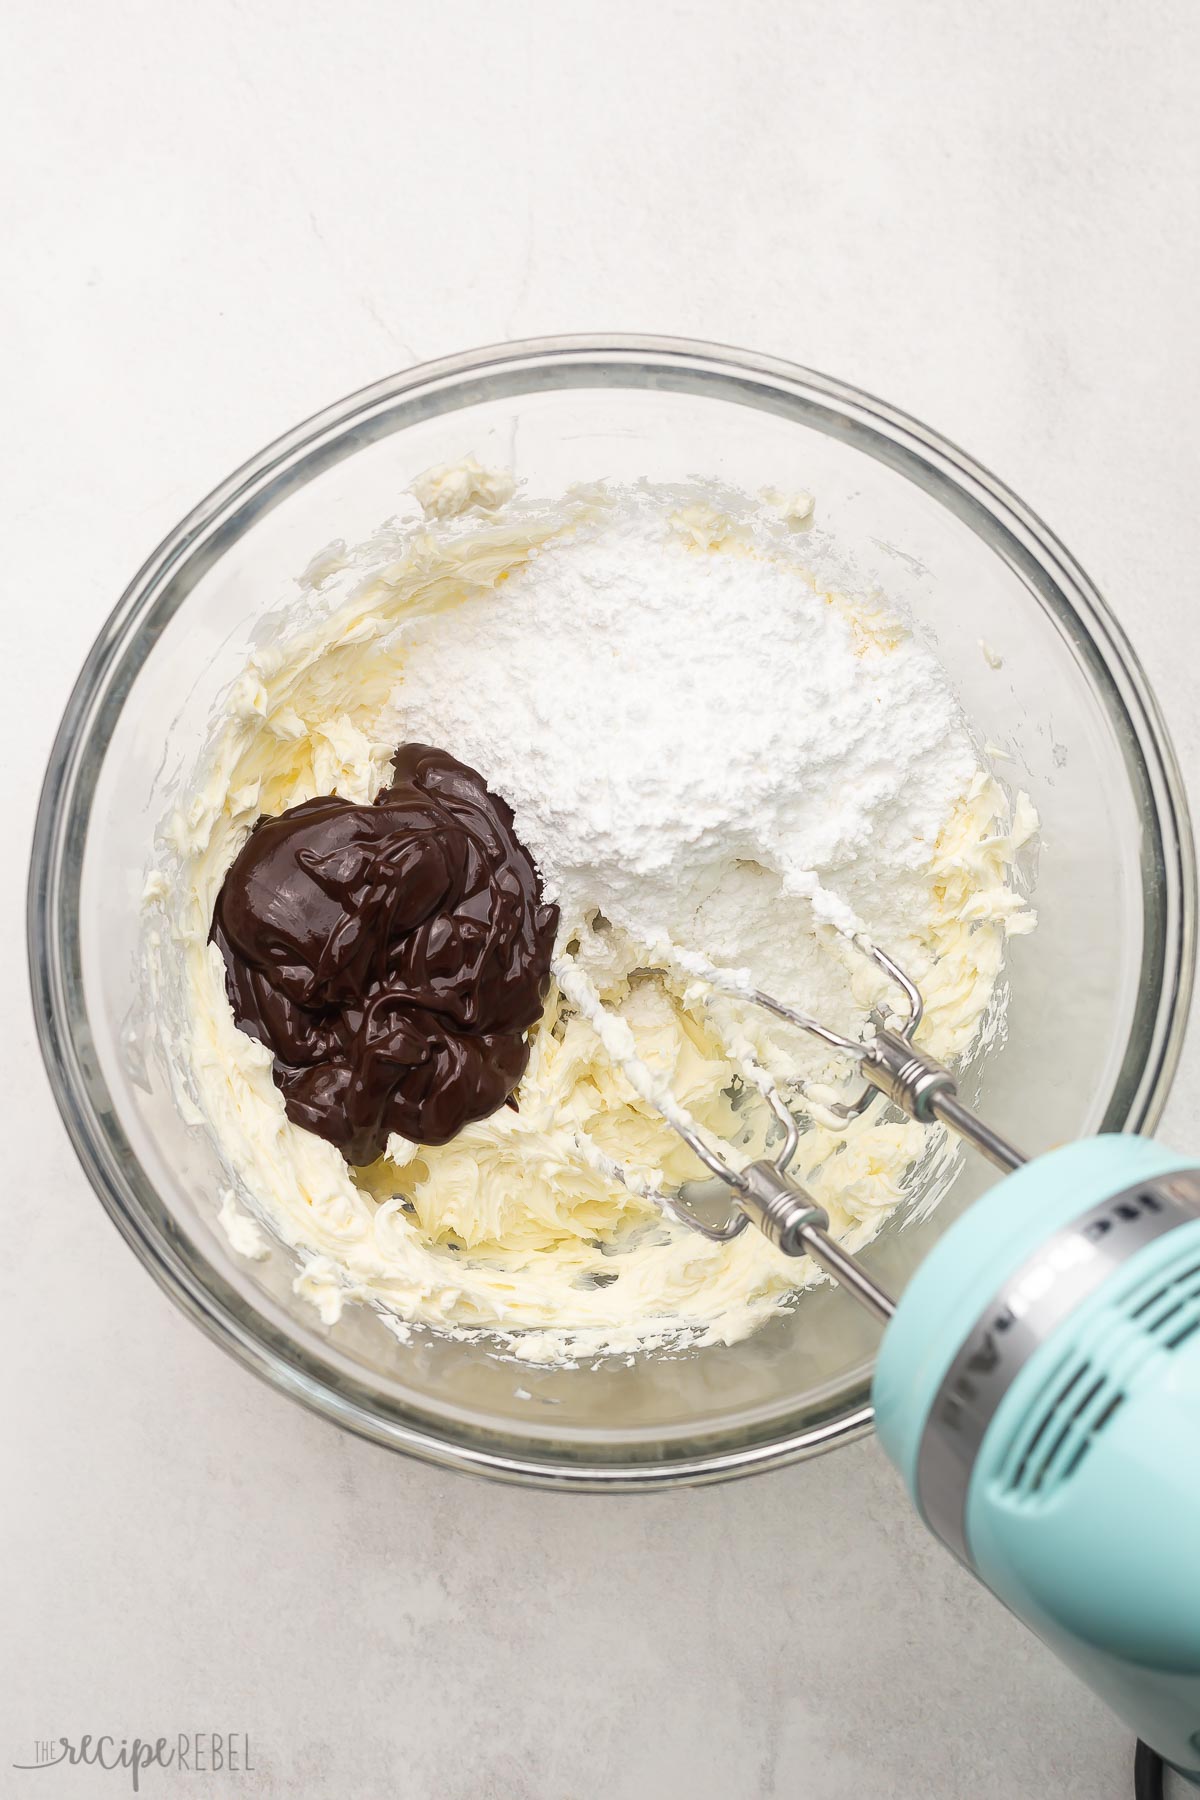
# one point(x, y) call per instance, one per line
point(1039, 1390)
point(1038, 1385)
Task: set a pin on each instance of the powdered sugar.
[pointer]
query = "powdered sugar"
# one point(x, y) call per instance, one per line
point(690, 731)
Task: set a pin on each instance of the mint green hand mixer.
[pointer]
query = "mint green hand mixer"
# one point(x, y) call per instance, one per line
point(1038, 1384)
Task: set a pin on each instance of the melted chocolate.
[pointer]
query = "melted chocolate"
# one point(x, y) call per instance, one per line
point(391, 957)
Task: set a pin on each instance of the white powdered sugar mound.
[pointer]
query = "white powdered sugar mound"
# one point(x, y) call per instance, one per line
point(688, 731)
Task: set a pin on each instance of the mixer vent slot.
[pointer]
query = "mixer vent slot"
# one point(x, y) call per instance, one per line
point(1170, 1312)
point(1082, 1396)
point(1082, 1399)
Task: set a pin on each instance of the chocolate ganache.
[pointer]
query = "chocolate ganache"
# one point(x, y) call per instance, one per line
point(391, 957)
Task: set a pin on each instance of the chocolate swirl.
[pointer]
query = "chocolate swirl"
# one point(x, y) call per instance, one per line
point(391, 957)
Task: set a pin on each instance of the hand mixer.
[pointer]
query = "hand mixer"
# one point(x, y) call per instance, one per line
point(1038, 1384)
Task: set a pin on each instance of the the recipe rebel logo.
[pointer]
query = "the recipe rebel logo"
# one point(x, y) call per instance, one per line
point(187, 1752)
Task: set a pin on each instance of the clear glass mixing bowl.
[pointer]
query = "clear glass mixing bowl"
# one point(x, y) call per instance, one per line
point(1099, 991)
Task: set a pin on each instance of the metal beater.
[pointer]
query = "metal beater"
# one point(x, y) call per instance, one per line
point(893, 1065)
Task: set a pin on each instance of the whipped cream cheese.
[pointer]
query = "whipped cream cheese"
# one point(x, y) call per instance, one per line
point(713, 760)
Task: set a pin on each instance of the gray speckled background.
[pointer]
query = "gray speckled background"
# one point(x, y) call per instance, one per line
point(217, 219)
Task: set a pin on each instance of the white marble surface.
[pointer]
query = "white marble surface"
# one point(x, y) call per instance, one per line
point(220, 217)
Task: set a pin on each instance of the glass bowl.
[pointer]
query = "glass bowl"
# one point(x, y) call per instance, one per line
point(1098, 993)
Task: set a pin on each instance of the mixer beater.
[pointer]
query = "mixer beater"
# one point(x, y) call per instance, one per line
point(764, 1193)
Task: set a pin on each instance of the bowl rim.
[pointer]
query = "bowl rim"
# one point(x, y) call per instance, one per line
point(81, 741)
